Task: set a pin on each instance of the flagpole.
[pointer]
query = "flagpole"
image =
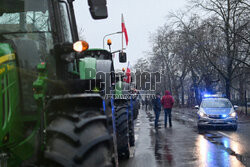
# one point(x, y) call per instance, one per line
point(122, 33)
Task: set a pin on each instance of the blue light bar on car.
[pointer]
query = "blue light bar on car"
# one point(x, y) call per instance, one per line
point(208, 95)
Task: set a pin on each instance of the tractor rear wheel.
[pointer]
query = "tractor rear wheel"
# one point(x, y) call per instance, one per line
point(131, 131)
point(79, 140)
point(136, 112)
point(122, 132)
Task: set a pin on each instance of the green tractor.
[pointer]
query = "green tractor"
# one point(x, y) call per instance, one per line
point(124, 117)
point(98, 64)
point(49, 116)
point(127, 97)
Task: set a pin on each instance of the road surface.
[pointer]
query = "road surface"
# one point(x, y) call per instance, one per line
point(183, 146)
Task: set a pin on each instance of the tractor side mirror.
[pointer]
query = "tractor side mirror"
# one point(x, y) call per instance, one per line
point(122, 57)
point(98, 9)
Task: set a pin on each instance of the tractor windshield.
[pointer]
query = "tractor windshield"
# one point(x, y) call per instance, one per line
point(26, 16)
point(26, 26)
point(98, 54)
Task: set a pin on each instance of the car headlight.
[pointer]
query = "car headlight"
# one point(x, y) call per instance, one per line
point(233, 114)
point(202, 113)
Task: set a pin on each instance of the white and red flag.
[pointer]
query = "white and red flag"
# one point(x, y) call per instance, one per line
point(128, 74)
point(124, 30)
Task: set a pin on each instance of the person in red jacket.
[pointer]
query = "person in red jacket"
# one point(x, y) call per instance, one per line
point(167, 101)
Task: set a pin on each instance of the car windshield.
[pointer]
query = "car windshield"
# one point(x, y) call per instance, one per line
point(216, 103)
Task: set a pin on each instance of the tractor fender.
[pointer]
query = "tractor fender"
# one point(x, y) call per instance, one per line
point(60, 102)
point(79, 100)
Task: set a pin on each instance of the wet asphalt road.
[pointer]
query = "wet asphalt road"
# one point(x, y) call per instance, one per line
point(183, 146)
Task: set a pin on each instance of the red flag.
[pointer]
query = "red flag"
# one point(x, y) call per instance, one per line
point(128, 73)
point(124, 30)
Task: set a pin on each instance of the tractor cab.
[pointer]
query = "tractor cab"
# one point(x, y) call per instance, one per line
point(36, 44)
point(95, 70)
point(25, 26)
point(26, 40)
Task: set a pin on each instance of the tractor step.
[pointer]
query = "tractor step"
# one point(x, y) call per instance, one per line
point(3, 160)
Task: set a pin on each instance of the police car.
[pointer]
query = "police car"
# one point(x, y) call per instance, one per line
point(216, 111)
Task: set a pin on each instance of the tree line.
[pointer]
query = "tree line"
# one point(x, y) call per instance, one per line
point(201, 53)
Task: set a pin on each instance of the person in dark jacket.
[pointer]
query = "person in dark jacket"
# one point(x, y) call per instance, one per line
point(167, 101)
point(146, 103)
point(156, 102)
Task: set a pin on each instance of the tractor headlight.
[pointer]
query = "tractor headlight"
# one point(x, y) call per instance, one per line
point(80, 46)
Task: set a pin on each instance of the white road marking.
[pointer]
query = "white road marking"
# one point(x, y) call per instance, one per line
point(228, 136)
point(224, 134)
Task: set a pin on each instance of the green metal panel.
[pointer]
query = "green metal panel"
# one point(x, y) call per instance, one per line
point(96, 49)
point(87, 68)
point(118, 88)
point(11, 132)
point(5, 49)
point(14, 138)
point(9, 100)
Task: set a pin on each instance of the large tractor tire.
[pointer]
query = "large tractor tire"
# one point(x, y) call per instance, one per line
point(79, 140)
point(122, 132)
point(131, 131)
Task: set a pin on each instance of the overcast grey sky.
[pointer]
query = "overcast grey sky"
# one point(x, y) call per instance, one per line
point(142, 17)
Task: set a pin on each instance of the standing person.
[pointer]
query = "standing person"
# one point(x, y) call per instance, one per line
point(167, 101)
point(149, 104)
point(156, 102)
point(146, 103)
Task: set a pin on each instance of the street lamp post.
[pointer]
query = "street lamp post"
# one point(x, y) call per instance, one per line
point(109, 35)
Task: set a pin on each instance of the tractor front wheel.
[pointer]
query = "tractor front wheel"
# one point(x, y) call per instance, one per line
point(131, 130)
point(122, 132)
point(79, 140)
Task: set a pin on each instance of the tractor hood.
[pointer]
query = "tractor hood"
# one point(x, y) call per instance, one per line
point(91, 68)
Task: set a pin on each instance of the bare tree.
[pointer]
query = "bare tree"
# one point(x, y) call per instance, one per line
point(232, 20)
point(198, 55)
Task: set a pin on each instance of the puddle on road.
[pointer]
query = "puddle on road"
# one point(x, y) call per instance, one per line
point(229, 153)
point(162, 150)
point(210, 149)
point(232, 149)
